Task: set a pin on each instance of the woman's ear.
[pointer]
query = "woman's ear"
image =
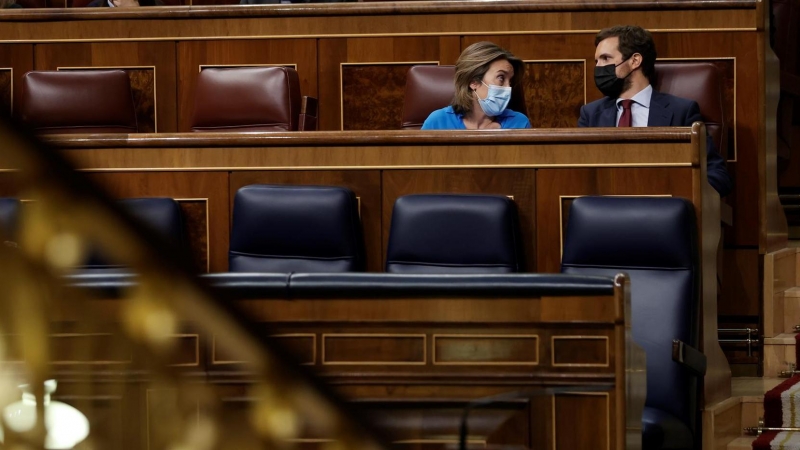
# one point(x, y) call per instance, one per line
point(474, 85)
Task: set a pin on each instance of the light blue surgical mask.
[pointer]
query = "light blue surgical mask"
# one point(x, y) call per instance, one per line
point(496, 100)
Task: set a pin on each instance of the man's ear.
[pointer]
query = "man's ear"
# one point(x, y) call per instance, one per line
point(636, 60)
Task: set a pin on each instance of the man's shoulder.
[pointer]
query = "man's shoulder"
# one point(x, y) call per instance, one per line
point(598, 104)
point(673, 101)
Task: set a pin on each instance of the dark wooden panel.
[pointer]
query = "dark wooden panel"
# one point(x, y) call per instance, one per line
point(371, 349)
point(519, 183)
point(554, 93)
point(18, 58)
point(199, 190)
point(365, 184)
point(90, 348)
point(478, 349)
point(6, 91)
point(581, 351)
point(372, 96)
point(302, 53)
point(363, 93)
point(554, 186)
point(580, 422)
point(144, 61)
point(740, 289)
point(143, 88)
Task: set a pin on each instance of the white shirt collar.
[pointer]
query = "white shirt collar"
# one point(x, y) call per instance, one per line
point(641, 98)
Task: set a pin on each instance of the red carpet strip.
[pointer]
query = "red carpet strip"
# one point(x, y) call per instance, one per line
point(781, 409)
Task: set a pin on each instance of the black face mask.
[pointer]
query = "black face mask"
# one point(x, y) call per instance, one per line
point(605, 78)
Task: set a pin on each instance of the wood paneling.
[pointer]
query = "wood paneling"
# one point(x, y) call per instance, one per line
point(365, 184)
point(141, 58)
point(196, 227)
point(372, 349)
point(480, 349)
point(552, 186)
point(591, 412)
point(193, 54)
point(18, 58)
point(519, 183)
point(389, 83)
point(6, 91)
point(372, 96)
point(554, 93)
point(210, 187)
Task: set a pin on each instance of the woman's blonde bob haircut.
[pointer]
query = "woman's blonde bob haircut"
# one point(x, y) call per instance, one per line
point(473, 64)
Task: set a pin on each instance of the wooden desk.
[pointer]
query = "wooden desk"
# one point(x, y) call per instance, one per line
point(542, 169)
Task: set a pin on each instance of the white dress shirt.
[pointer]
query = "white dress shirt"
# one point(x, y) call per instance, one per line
point(640, 109)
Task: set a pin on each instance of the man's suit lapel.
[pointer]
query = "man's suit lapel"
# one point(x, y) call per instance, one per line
point(608, 114)
point(659, 115)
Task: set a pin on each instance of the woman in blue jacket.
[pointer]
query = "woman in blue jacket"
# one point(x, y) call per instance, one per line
point(485, 76)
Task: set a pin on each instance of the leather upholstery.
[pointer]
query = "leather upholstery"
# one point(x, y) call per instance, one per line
point(428, 88)
point(162, 215)
point(247, 99)
point(250, 286)
point(441, 233)
point(701, 82)
point(78, 101)
point(295, 229)
point(9, 213)
point(654, 240)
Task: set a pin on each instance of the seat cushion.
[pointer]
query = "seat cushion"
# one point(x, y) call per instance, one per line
point(454, 234)
point(662, 430)
point(295, 229)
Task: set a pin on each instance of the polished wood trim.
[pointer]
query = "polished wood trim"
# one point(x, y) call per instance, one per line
point(388, 137)
point(608, 415)
point(231, 66)
point(374, 8)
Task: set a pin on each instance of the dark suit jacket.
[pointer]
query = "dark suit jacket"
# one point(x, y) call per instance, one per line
point(665, 111)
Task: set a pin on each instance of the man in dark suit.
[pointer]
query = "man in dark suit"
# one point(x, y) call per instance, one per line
point(625, 58)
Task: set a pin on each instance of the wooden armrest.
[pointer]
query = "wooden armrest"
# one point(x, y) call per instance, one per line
point(689, 357)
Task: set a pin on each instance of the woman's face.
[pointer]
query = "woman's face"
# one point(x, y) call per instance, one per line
point(500, 73)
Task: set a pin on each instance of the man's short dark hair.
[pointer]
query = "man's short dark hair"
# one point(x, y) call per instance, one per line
point(633, 39)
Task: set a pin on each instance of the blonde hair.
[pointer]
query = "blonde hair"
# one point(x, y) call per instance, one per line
point(473, 64)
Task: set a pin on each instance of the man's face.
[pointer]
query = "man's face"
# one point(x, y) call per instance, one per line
point(607, 52)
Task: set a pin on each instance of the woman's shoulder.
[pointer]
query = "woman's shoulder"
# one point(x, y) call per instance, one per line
point(513, 119)
point(440, 119)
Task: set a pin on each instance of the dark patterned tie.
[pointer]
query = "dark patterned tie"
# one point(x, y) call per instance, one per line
point(626, 119)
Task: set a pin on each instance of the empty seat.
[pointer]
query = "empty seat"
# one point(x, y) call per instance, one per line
point(446, 233)
point(78, 101)
point(162, 215)
point(296, 229)
point(428, 88)
point(654, 240)
point(701, 82)
point(252, 99)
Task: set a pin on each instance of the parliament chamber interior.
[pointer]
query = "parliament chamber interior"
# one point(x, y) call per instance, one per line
point(421, 225)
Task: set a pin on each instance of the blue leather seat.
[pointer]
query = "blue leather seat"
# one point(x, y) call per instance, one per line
point(296, 229)
point(163, 215)
point(654, 240)
point(447, 233)
point(9, 212)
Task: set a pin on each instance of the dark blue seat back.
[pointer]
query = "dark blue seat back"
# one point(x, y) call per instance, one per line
point(440, 233)
point(654, 240)
point(162, 215)
point(296, 229)
point(9, 213)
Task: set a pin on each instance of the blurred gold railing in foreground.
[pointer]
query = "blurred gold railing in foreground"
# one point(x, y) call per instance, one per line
point(65, 216)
